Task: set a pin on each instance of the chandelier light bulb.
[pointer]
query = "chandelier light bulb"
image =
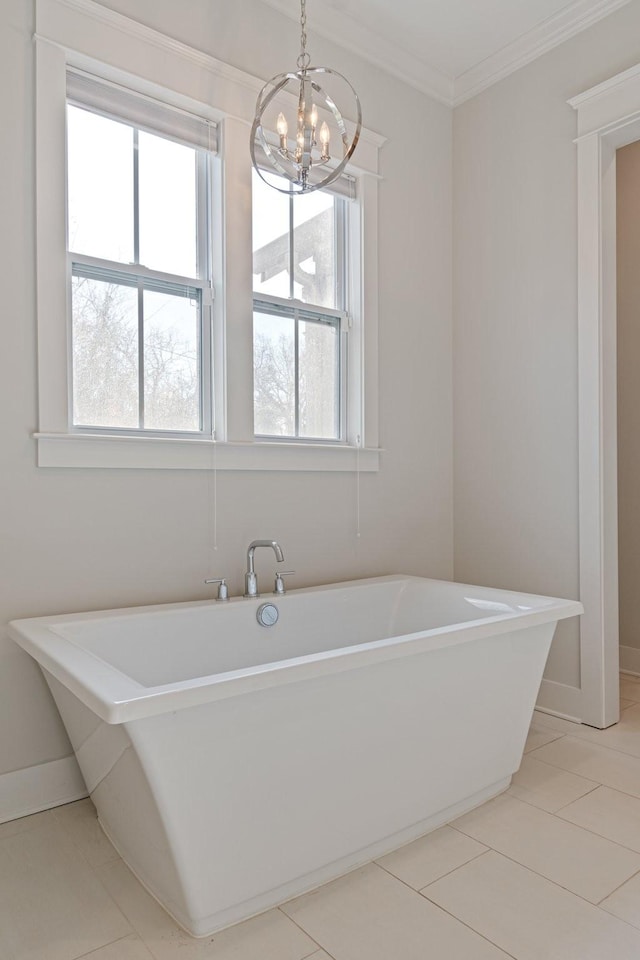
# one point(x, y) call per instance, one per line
point(325, 137)
point(307, 164)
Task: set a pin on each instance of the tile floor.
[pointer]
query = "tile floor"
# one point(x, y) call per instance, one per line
point(550, 870)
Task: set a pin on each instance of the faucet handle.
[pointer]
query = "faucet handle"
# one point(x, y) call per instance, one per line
point(278, 587)
point(223, 589)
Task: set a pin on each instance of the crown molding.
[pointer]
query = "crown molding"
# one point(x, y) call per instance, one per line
point(358, 38)
point(531, 45)
point(394, 59)
point(51, 28)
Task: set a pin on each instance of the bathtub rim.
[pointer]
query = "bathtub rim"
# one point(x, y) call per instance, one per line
point(117, 698)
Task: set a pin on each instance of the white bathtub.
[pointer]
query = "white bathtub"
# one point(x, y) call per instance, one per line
point(234, 766)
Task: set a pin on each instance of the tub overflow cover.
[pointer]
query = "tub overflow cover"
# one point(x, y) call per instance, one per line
point(267, 614)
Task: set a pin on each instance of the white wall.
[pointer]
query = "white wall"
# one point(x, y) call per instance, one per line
point(515, 323)
point(86, 539)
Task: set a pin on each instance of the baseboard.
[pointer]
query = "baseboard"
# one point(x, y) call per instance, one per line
point(33, 789)
point(630, 659)
point(560, 700)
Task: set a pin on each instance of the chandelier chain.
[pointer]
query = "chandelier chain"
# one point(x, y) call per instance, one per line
point(304, 59)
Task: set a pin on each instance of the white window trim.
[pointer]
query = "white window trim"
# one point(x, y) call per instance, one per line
point(86, 35)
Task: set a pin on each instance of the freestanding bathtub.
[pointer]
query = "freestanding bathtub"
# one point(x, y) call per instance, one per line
point(234, 766)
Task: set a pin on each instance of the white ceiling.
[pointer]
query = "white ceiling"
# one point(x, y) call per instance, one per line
point(450, 49)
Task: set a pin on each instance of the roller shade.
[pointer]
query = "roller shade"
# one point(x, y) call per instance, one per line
point(140, 110)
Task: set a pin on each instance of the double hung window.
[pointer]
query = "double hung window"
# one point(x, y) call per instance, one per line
point(139, 262)
point(141, 212)
point(300, 318)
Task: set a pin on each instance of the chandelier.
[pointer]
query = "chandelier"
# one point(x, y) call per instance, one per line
point(299, 132)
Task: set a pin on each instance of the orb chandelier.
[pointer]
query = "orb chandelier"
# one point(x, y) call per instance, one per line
point(299, 132)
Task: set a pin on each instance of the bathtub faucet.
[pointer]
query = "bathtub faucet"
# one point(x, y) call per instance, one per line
point(250, 579)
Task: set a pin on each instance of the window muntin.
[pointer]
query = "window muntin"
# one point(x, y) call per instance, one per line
point(299, 282)
point(139, 265)
point(169, 100)
point(297, 364)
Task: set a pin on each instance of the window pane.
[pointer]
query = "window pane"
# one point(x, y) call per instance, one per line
point(171, 367)
point(314, 249)
point(319, 380)
point(274, 375)
point(100, 186)
point(270, 223)
point(105, 354)
point(168, 215)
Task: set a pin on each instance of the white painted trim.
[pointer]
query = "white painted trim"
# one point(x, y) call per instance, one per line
point(357, 37)
point(560, 700)
point(329, 22)
point(23, 792)
point(84, 34)
point(88, 32)
point(602, 89)
point(93, 450)
point(531, 45)
point(608, 117)
point(630, 659)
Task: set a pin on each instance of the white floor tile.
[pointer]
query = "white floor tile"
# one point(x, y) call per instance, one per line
point(538, 736)
point(530, 917)
point(369, 915)
point(630, 690)
point(131, 948)
point(13, 827)
point(625, 704)
point(613, 769)
point(431, 857)
point(608, 813)
point(271, 936)
point(52, 906)
point(547, 787)
point(623, 736)
point(625, 901)
point(80, 822)
point(588, 865)
point(549, 722)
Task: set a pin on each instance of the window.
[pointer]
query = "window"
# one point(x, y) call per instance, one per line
point(126, 264)
point(300, 321)
point(139, 265)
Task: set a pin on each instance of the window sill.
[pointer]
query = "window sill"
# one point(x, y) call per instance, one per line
point(154, 453)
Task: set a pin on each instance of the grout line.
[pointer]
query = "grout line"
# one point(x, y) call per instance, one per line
point(92, 953)
point(542, 875)
point(448, 872)
point(599, 783)
point(457, 918)
point(596, 786)
point(318, 946)
point(614, 891)
point(594, 743)
point(537, 806)
point(555, 766)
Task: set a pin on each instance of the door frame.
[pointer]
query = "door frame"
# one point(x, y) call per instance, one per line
point(608, 118)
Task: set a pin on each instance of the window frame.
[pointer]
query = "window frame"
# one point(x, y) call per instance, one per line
point(141, 275)
point(302, 309)
point(89, 37)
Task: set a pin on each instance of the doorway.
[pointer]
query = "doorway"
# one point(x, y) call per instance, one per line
point(608, 119)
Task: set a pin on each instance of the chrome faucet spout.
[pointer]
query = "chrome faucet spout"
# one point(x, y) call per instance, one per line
point(250, 579)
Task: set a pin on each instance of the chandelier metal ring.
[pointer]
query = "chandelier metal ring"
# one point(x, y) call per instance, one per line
point(300, 157)
point(272, 152)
